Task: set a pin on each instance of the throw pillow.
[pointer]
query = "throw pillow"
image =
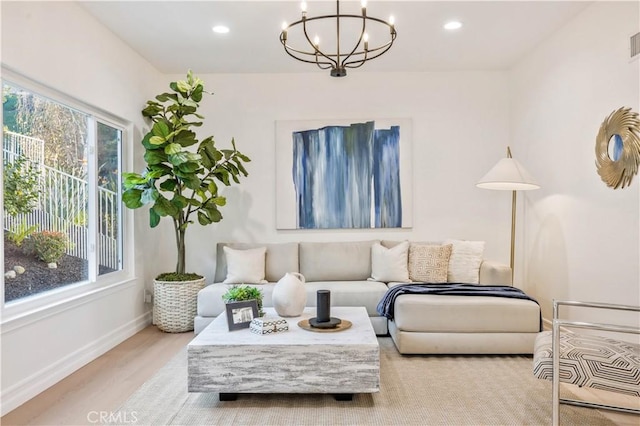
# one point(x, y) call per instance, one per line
point(389, 264)
point(429, 263)
point(464, 264)
point(245, 266)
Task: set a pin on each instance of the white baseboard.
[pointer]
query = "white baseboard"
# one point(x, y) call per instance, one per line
point(39, 381)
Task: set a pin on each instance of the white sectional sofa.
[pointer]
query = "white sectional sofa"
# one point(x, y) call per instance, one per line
point(422, 324)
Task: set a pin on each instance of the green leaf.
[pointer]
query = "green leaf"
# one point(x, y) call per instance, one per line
point(185, 138)
point(203, 219)
point(154, 218)
point(161, 129)
point(157, 140)
point(130, 180)
point(152, 109)
point(164, 207)
point(172, 148)
point(155, 157)
point(196, 95)
point(189, 167)
point(223, 176)
point(220, 201)
point(149, 195)
point(168, 185)
point(131, 198)
point(179, 158)
point(183, 86)
point(166, 97)
point(191, 182)
point(179, 201)
point(190, 103)
point(213, 188)
point(215, 215)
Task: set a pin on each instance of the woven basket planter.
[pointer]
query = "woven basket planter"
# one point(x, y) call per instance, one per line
point(175, 304)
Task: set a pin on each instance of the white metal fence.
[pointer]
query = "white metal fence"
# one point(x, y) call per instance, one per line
point(63, 204)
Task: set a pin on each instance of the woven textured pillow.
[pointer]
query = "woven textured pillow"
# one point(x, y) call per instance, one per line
point(464, 264)
point(429, 263)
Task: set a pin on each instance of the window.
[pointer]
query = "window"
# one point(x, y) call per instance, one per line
point(61, 194)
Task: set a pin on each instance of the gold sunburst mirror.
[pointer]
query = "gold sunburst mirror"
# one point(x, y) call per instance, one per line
point(618, 148)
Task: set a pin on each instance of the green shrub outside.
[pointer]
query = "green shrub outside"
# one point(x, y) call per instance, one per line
point(48, 246)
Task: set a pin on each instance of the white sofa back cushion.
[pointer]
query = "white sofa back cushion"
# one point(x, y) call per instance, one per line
point(336, 261)
point(280, 259)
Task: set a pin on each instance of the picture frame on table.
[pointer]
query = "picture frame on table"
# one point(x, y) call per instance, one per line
point(240, 314)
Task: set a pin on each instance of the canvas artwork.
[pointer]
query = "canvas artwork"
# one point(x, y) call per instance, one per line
point(343, 174)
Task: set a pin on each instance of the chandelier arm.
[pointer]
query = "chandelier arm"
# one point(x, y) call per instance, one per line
point(361, 61)
point(355, 47)
point(315, 48)
point(288, 49)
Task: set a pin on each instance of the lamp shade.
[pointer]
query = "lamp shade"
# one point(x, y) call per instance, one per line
point(508, 175)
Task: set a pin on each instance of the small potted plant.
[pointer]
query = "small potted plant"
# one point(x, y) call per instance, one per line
point(181, 182)
point(239, 293)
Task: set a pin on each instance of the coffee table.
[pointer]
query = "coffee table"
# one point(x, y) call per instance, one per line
point(294, 361)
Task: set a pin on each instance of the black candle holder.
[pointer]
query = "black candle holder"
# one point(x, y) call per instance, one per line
point(323, 317)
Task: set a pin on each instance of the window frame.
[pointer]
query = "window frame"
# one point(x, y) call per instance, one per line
point(31, 308)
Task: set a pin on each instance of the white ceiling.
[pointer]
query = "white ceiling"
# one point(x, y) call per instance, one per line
point(176, 35)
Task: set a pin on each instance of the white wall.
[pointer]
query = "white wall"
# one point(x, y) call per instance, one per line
point(459, 132)
point(582, 237)
point(58, 45)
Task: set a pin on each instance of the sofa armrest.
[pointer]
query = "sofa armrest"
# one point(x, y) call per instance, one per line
point(495, 273)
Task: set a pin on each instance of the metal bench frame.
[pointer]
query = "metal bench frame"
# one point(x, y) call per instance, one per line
point(557, 324)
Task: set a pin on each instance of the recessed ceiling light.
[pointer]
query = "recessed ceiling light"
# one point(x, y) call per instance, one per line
point(452, 25)
point(220, 29)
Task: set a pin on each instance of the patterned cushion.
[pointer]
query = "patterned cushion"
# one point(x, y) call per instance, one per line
point(590, 360)
point(429, 263)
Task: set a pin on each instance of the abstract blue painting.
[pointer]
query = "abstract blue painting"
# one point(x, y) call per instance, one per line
point(344, 176)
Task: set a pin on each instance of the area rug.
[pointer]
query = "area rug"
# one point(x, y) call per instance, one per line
point(414, 390)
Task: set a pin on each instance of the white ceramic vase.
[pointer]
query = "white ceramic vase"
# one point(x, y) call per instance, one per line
point(289, 295)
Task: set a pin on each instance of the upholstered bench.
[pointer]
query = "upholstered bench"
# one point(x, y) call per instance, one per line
point(589, 359)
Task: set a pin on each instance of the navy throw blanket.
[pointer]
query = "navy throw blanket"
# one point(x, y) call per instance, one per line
point(387, 303)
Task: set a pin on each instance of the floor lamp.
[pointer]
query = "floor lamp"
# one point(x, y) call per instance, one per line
point(509, 175)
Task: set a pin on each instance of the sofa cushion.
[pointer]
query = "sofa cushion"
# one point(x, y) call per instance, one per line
point(464, 264)
point(336, 261)
point(343, 293)
point(349, 293)
point(280, 259)
point(390, 264)
point(429, 263)
point(245, 266)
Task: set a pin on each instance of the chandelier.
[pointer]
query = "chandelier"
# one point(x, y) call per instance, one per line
point(356, 51)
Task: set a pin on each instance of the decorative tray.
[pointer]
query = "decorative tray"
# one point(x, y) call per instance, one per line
point(344, 324)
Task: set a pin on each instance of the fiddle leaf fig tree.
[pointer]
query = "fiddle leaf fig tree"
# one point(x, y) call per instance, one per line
point(181, 182)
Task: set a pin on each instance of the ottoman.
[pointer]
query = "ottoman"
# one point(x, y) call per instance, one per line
point(442, 324)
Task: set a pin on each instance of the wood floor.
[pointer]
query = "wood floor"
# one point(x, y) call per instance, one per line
point(104, 384)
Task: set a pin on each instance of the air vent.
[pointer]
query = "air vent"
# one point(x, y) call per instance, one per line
point(635, 45)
